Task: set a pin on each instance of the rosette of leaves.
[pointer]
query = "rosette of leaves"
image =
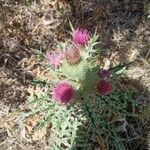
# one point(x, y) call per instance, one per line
point(84, 124)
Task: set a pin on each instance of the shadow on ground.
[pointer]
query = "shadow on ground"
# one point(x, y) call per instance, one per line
point(132, 130)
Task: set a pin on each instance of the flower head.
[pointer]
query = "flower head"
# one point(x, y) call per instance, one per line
point(80, 37)
point(104, 87)
point(55, 58)
point(104, 73)
point(63, 93)
point(72, 55)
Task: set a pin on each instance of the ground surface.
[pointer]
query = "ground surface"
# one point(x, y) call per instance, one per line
point(124, 29)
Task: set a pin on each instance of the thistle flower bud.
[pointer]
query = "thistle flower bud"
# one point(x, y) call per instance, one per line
point(104, 73)
point(55, 58)
point(72, 55)
point(104, 87)
point(63, 93)
point(80, 37)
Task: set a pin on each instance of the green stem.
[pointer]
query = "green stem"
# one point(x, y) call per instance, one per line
point(92, 121)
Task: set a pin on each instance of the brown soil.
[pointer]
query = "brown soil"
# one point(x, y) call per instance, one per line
point(124, 30)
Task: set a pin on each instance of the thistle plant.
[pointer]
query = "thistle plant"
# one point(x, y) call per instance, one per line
point(82, 97)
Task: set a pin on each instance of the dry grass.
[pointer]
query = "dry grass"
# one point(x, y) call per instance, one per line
point(124, 29)
point(16, 135)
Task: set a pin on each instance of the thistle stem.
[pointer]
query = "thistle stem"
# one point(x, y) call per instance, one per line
point(101, 143)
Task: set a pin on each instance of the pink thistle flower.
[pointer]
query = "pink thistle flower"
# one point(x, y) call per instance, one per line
point(104, 73)
point(104, 87)
point(72, 55)
point(80, 37)
point(55, 58)
point(63, 93)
